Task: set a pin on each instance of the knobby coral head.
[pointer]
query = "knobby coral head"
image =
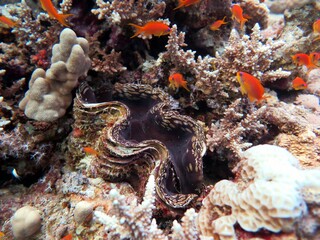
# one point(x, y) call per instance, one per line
point(139, 133)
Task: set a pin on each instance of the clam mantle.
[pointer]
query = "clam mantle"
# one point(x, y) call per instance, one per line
point(139, 133)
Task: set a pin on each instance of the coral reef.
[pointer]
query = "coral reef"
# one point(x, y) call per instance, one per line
point(113, 151)
point(263, 195)
point(49, 92)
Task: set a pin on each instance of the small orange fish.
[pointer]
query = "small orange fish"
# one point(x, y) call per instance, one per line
point(315, 58)
point(316, 29)
point(67, 237)
point(7, 21)
point(177, 80)
point(53, 13)
point(90, 151)
point(151, 28)
point(237, 14)
point(186, 3)
point(217, 24)
point(2, 235)
point(251, 86)
point(299, 84)
point(303, 59)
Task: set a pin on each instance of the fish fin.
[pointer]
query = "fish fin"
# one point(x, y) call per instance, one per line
point(137, 28)
point(181, 4)
point(184, 85)
point(42, 6)
point(62, 19)
point(251, 98)
point(242, 22)
point(316, 39)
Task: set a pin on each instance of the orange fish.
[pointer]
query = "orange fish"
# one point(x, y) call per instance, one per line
point(177, 80)
point(53, 13)
point(299, 84)
point(315, 58)
point(2, 235)
point(217, 24)
point(237, 14)
point(7, 21)
point(186, 3)
point(251, 86)
point(316, 28)
point(151, 28)
point(67, 237)
point(303, 59)
point(90, 151)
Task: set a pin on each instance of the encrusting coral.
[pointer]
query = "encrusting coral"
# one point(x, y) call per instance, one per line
point(49, 92)
point(268, 193)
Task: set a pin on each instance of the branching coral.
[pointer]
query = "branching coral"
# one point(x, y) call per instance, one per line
point(109, 64)
point(229, 136)
point(285, 124)
point(121, 12)
point(267, 193)
point(133, 220)
point(49, 92)
point(249, 54)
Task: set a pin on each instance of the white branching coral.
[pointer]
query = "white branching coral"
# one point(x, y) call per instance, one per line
point(119, 11)
point(133, 220)
point(268, 193)
point(188, 228)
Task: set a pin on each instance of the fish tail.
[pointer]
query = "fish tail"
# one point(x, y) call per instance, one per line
point(223, 19)
point(242, 22)
point(62, 19)
point(181, 4)
point(316, 39)
point(184, 85)
point(137, 28)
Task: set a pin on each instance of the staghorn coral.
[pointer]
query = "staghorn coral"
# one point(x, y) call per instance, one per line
point(185, 62)
point(131, 220)
point(188, 228)
point(263, 195)
point(49, 92)
point(122, 12)
point(108, 63)
point(249, 54)
point(230, 136)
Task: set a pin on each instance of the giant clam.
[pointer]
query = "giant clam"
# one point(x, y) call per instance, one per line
point(137, 133)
